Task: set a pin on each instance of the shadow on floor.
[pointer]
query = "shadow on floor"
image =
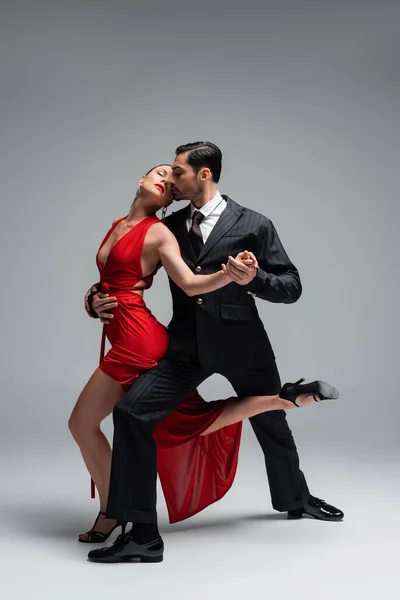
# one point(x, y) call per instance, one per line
point(220, 523)
point(65, 522)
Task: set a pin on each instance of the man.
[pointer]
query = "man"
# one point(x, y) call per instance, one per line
point(219, 332)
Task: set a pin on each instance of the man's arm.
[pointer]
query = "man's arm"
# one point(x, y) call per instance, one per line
point(94, 289)
point(94, 293)
point(277, 279)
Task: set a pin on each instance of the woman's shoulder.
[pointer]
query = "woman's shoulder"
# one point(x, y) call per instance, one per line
point(159, 226)
point(159, 232)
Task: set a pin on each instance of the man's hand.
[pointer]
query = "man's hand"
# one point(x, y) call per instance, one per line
point(243, 268)
point(102, 304)
point(94, 288)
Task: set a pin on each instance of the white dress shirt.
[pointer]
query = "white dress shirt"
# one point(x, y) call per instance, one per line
point(211, 211)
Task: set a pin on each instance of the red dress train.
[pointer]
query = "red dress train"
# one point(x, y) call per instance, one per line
point(194, 470)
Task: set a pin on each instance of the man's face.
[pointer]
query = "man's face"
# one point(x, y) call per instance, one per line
point(182, 180)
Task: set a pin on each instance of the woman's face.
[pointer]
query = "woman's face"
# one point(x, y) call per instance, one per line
point(155, 183)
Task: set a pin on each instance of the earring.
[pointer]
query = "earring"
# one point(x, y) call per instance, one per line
point(163, 213)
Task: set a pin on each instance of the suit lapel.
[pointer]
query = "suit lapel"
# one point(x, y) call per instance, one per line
point(182, 235)
point(229, 217)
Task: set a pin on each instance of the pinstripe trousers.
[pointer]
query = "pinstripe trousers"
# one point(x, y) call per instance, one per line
point(155, 394)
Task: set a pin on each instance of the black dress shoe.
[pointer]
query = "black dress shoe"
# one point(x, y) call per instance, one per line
point(125, 549)
point(318, 509)
point(290, 391)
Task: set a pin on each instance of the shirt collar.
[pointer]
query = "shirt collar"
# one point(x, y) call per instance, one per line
point(209, 207)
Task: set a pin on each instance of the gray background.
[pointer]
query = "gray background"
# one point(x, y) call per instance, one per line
point(303, 99)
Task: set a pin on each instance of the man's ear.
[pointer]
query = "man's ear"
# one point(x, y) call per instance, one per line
point(205, 174)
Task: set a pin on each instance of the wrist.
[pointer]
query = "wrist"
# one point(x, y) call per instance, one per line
point(257, 282)
point(92, 312)
point(226, 278)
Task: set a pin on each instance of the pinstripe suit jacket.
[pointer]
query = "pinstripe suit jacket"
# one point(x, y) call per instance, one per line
point(222, 330)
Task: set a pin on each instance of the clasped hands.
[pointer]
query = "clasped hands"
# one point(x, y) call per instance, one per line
point(241, 270)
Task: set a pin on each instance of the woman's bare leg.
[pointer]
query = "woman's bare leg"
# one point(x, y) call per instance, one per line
point(94, 404)
point(239, 409)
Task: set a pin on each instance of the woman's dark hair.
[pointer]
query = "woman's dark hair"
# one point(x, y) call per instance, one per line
point(203, 154)
point(157, 166)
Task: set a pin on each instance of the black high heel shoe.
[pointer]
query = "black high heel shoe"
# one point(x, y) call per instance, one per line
point(98, 537)
point(291, 391)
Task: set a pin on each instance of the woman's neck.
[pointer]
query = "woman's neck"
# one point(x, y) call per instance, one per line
point(139, 210)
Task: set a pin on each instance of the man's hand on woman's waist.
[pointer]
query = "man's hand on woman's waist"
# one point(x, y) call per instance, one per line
point(99, 303)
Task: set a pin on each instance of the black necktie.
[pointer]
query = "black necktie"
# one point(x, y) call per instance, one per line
point(195, 234)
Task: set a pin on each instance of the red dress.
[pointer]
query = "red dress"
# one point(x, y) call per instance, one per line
point(194, 470)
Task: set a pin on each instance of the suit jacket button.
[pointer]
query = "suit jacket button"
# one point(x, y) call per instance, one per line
point(199, 301)
point(198, 269)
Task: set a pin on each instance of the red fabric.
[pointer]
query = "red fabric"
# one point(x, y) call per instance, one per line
point(194, 470)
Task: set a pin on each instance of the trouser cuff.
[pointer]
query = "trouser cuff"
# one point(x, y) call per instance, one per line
point(131, 515)
point(291, 505)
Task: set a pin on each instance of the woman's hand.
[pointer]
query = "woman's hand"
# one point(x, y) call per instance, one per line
point(248, 259)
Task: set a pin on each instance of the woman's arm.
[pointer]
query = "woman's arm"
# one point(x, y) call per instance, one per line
point(170, 256)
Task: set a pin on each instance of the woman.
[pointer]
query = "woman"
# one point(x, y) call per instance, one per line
point(198, 443)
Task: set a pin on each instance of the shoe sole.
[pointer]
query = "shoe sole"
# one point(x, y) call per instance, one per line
point(91, 541)
point(307, 515)
point(327, 390)
point(143, 559)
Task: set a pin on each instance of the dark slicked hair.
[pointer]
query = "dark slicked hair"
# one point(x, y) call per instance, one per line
point(203, 154)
